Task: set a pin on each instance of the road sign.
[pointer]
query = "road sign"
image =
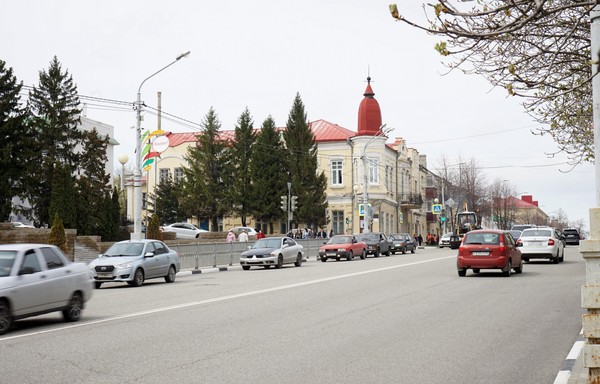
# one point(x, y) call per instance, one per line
point(436, 209)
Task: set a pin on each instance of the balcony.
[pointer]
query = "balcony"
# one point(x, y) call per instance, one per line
point(411, 200)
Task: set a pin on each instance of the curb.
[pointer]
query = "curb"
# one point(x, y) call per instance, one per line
point(207, 270)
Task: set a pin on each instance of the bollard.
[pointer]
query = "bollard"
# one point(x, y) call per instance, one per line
point(215, 253)
point(590, 298)
point(230, 254)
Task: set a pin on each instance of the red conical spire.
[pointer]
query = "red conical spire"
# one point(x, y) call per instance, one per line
point(369, 114)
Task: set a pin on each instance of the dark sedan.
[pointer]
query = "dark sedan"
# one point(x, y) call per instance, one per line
point(402, 242)
point(377, 243)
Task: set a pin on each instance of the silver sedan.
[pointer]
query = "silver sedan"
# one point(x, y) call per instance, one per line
point(134, 262)
point(274, 251)
point(37, 279)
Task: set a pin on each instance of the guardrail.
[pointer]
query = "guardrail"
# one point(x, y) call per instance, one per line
point(200, 255)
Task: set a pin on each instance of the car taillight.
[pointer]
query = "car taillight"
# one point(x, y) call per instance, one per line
point(502, 248)
point(550, 241)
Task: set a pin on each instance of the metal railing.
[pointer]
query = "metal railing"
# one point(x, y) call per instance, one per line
point(202, 255)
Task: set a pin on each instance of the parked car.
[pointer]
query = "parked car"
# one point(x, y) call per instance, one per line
point(489, 249)
point(275, 251)
point(572, 236)
point(37, 279)
point(377, 243)
point(542, 243)
point(184, 230)
point(237, 230)
point(402, 242)
point(445, 240)
point(18, 224)
point(134, 261)
point(342, 246)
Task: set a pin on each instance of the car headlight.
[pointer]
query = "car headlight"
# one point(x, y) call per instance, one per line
point(124, 265)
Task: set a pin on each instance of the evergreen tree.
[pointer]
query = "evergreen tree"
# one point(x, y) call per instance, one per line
point(240, 155)
point(268, 173)
point(205, 191)
point(115, 217)
point(154, 228)
point(63, 195)
point(167, 197)
point(93, 186)
point(57, 234)
point(302, 162)
point(55, 111)
point(13, 132)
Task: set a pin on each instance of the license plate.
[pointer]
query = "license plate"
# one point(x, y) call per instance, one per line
point(481, 253)
point(331, 254)
point(105, 275)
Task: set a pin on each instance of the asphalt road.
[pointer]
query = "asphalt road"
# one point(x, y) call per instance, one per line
point(398, 319)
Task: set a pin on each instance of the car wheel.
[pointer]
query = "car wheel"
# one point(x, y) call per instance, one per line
point(138, 278)
point(562, 257)
point(506, 272)
point(555, 259)
point(475, 270)
point(350, 256)
point(246, 267)
point(412, 250)
point(519, 269)
point(363, 255)
point(97, 284)
point(73, 311)
point(5, 317)
point(404, 251)
point(279, 262)
point(264, 266)
point(323, 259)
point(376, 253)
point(170, 278)
point(337, 258)
point(298, 262)
point(462, 272)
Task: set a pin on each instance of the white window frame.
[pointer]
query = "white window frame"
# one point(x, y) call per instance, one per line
point(373, 165)
point(337, 172)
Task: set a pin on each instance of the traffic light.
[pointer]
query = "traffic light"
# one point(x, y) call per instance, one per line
point(284, 202)
point(294, 203)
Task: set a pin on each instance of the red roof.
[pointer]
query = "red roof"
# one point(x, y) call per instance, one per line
point(369, 113)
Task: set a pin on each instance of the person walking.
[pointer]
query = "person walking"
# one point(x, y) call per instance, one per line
point(260, 235)
point(230, 236)
point(243, 237)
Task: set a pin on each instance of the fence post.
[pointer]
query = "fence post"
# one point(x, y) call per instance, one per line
point(215, 252)
point(230, 254)
point(590, 298)
point(197, 256)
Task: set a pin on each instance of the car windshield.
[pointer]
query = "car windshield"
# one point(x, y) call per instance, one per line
point(7, 259)
point(536, 232)
point(125, 249)
point(482, 238)
point(267, 243)
point(370, 237)
point(340, 240)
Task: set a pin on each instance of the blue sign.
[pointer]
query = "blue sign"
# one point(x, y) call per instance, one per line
point(436, 209)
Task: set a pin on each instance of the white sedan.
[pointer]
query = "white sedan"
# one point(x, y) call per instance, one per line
point(184, 230)
point(37, 279)
point(542, 243)
point(274, 251)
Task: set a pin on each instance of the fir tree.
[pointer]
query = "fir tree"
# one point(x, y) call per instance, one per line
point(57, 234)
point(63, 196)
point(240, 155)
point(13, 132)
point(205, 191)
point(302, 162)
point(55, 111)
point(269, 175)
point(167, 196)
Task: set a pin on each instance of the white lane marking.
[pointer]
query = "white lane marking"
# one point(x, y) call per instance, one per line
point(574, 353)
point(222, 298)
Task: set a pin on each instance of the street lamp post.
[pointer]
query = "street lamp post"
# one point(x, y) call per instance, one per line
point(123, 159)
point(137, 176)
point(382, 131)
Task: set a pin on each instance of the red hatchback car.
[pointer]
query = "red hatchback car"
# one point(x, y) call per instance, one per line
point(489, 249)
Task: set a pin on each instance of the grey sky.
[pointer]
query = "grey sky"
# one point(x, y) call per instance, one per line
point(258, 54)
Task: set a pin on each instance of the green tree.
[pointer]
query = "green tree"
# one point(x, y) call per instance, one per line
point(268, 172)
point(240, 155)
point(63, 195)
point(154, 228)
point(57, 234)
point(538, 50)
point(302, 163)
point(205, 191)
point(93, 187)
point(13, 132)
point(54, 107)
point(168, 196)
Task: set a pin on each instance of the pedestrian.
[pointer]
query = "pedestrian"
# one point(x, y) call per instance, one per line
point(260, 235)
point(243, 237)
point(420, 238)
point(230, 236)
point(331, 233)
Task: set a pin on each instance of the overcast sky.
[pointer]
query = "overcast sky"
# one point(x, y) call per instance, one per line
point(259, 54)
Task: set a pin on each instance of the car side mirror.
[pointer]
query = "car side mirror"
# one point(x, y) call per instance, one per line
point(149, 254)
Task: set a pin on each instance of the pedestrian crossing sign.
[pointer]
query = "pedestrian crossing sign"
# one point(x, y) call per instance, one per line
point(436, 209)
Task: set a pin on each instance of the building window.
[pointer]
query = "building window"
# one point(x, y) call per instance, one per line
point(337, 222)
point(336, 172)
point(178, 175)
point(163, 175)
point(374, 171)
